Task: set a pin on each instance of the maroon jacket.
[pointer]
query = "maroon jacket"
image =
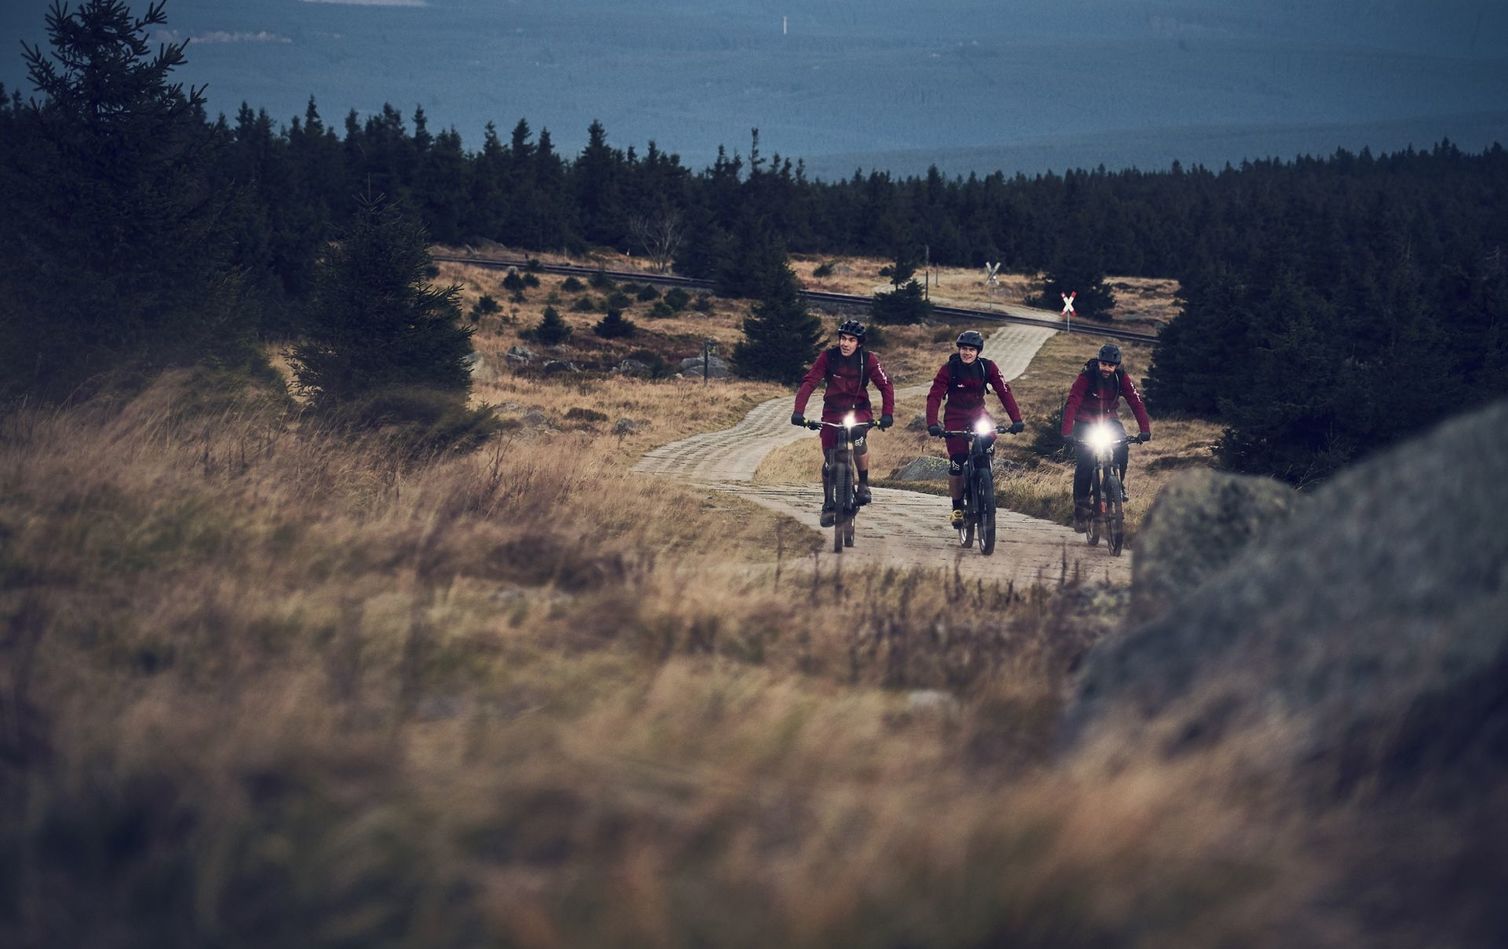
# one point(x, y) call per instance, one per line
point(845, 393)
point(1089, 402)
point(966, 396)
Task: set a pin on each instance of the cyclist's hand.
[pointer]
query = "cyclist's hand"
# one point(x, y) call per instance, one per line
point(798, 419)
point(935, 430)
point(1017, 428)
point(1144, 437)
point(885, 422)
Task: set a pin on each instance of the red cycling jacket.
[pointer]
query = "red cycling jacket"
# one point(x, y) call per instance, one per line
point(965, 396)
point(1090, 402)
point(847, 390)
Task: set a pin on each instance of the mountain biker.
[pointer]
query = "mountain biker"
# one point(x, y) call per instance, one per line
point(846, 369)
point(1095, 397)
point(962, 380)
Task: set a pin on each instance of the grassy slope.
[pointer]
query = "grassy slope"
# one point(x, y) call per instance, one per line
point(263, 687)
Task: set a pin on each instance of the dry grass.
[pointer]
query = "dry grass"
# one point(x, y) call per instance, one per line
point(262, 686)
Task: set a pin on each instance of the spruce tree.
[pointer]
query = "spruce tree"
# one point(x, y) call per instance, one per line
point(113, 249)
point(375, 322)
point(781, 337)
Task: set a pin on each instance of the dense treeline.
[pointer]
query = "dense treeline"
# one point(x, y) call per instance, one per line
point(1330, 304)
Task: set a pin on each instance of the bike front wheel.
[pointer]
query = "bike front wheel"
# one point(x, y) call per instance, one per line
point(984, 494)
point(1115, 515)
point(843, 503)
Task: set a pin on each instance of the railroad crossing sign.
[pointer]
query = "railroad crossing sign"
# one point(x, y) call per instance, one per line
point(991, 271)
point(1068, 308)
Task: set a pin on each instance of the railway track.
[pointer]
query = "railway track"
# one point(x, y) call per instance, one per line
point(1048, 319)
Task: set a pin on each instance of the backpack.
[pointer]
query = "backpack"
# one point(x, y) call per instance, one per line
point(955, 367)
point(835, 353)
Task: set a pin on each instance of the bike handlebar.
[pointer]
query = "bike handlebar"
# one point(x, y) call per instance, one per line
point(970, 433)
point(816, 424)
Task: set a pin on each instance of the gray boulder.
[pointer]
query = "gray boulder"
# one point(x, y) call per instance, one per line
point(1199, 523)
point(925, 468)
point(716, 368)
point(632, 367)
point(519, 356)
point(1362, 637)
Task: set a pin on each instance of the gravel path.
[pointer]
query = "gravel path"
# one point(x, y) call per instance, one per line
point(901, 528)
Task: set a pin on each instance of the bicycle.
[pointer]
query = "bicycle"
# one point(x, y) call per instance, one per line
point(979, 486)
point(1107, 496)
point(840, 474)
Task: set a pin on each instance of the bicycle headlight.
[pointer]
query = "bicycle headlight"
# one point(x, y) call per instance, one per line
point(1101, 438)
point(849, 421)
point(984, 426)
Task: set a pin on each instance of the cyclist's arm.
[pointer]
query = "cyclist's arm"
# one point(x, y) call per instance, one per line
point(1138, 408)
point(881, 379)
point(1071, 409)
point(935, 394)
point(814, 375)
point(1003, 390)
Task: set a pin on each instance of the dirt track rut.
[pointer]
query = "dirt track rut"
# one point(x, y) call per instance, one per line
point(901, 528)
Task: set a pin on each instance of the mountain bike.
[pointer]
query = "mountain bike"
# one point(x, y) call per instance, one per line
point(979, 486)
point(1107, 496)
point(841, 472)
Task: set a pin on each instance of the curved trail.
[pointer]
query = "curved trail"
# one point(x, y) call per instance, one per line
point(901, 528)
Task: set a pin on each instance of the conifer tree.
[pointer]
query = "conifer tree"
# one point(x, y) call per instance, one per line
point(113, 249)
point(780, 336)
point(375, 322)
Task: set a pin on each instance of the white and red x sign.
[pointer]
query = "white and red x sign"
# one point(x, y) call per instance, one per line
point(1068, 303)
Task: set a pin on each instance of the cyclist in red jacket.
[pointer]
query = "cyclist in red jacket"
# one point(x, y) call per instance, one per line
point(1095, 397)
point(962, 381)
point(847, 370)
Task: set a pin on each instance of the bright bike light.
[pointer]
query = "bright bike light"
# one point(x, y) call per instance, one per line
point(1101, 438)
point(849, 421)
point(984, 427)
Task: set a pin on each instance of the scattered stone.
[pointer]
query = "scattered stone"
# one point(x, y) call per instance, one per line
point(536, 418)
point(627, 426)
point(556, 367)
point(931, 702)
point(633, 367)
point(519, 355)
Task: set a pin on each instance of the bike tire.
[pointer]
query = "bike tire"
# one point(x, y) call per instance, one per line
point(1096, 514)
point(842, 502)
point(984, 493)
point(1115, 516)
point(848, 532)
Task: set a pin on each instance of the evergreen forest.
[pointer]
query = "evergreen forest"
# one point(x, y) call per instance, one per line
point(1330, 304)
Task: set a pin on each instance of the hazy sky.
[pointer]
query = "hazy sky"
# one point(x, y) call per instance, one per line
point(1014, 84)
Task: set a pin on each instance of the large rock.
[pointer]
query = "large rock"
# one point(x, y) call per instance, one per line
point(1364, 636)
point(925, 468)
point(1199, 523)
point(716, 368)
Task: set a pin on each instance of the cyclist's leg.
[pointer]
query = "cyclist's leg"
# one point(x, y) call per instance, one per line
point(1122, 457)
point(861, 462)
point(1083, 470)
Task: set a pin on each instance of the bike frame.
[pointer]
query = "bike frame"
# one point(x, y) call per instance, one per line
point(979, 485)
point(1106, 493)
point(842, 471)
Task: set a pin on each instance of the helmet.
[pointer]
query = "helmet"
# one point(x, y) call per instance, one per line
point(1110, 353)
point(852, 328)
point(971, 338)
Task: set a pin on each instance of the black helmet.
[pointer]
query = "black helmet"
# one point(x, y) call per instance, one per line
point(971, 338)
point(851, 328)
point(1110, 353)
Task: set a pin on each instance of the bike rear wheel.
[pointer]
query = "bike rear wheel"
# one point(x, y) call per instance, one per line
point(984, 495)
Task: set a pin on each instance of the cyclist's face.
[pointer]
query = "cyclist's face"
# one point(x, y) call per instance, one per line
point(847, 344)
point(968, 354)
point(1106, 368)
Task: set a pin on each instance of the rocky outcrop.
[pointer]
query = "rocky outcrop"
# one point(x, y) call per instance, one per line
point(1362, 635)
point(925, 468)
point(1200, 522)
point(716, 368)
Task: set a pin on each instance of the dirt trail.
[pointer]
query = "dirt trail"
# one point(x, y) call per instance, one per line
point(901, 528)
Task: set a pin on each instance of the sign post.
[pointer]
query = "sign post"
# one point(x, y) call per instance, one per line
point(1068, 309)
